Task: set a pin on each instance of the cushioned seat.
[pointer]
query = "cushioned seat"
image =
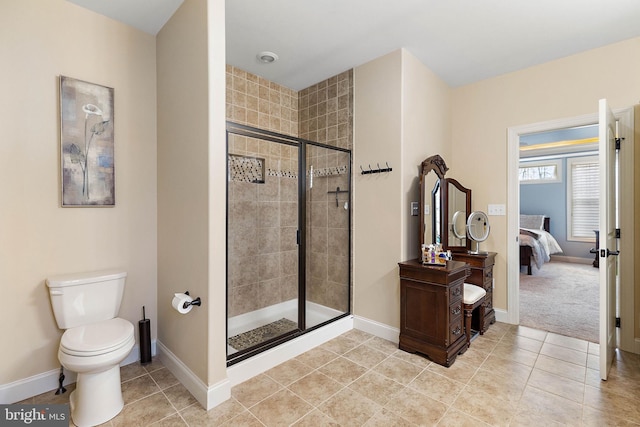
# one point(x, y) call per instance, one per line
point(473, 298)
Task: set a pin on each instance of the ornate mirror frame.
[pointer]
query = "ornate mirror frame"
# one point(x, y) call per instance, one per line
point(440, 200)
point(431, 188)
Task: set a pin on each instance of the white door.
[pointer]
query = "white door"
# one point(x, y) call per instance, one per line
point(608, 241)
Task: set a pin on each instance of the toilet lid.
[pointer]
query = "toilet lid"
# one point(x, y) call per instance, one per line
point(96, 338)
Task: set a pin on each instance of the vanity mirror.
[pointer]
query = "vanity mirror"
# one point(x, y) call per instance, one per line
point(456, 201)
point(445, 205)
point(478, 230)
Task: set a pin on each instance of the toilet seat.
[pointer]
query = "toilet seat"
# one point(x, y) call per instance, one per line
point(97, 338)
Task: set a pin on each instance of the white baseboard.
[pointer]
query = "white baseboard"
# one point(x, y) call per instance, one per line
point(207, 396)
point(502, 316)
point(378, 329)
point(48, 381)
point(32, 386)
point(572, 259)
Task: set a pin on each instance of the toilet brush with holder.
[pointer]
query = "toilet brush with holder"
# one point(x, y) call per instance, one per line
point(144, 329)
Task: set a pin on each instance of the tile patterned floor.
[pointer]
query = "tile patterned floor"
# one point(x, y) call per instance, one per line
point(511, 376)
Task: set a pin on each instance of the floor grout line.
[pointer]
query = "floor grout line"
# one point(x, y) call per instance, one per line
point(506, 346)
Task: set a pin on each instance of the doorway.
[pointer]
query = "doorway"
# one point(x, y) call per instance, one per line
point(559, 185)
point(626, 293)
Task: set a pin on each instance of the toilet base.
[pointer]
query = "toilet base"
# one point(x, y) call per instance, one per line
point(97, 397)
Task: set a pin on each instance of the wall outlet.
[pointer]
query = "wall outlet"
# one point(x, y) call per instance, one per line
point(497, 210)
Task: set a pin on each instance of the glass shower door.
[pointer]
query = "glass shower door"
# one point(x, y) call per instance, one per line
point(328, 237)
point(262, 249)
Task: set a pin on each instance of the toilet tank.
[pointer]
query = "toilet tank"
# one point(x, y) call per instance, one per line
point(80, 299)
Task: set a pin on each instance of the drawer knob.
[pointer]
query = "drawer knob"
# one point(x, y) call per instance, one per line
point(456, 331)
point(457, 291)
point(456, 310)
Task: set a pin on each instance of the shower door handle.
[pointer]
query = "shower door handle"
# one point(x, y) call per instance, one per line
point(298, 237)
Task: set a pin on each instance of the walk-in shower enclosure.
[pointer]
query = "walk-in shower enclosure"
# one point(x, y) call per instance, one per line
point(288, 238)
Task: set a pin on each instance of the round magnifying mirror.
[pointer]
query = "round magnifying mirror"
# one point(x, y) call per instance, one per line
point(478, 229)
point(458, 225)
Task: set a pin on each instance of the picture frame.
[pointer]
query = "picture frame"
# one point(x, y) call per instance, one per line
point(87, 157)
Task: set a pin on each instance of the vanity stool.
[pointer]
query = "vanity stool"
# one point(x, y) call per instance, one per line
point(473, 297)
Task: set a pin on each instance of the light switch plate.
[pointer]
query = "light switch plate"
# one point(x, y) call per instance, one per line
point(497, 210)
point(414, 209)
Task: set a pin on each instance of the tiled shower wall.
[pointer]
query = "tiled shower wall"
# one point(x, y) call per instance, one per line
point(326, 111)
point(257, 102)
point(259, 275)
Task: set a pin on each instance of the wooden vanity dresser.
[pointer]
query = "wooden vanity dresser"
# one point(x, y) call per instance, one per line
point(431, 315)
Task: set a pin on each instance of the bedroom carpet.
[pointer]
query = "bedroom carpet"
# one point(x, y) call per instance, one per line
point(562, 298)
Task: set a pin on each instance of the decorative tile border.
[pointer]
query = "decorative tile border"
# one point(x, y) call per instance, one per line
point(339, 170)
point(252, 169)
point(282, 174)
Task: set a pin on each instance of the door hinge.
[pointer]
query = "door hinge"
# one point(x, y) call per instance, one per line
point(617, 322)
point(618, 141)
point(617, 233)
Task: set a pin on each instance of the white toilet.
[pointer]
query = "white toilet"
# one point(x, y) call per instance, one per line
point(94, 343)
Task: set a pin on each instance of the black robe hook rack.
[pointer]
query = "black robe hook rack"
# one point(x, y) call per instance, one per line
point(378, 170)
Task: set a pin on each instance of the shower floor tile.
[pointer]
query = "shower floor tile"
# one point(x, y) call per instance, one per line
point(261, 334)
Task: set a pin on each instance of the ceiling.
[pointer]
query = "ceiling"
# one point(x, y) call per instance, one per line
point(462, 41)
point(146, 15)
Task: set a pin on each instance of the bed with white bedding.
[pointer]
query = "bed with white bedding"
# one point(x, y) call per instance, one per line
point(536, 243)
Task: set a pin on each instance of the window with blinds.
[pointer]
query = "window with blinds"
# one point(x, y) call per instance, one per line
point(583, 196)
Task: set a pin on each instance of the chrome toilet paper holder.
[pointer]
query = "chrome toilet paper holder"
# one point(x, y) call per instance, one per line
point(196, 301)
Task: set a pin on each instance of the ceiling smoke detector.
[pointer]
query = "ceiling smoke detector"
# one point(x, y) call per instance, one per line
point(267, 57)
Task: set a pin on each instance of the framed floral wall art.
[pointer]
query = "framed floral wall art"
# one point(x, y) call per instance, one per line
point(86, 144)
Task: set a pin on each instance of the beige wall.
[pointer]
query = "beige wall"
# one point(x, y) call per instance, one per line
point(426, 130)
point(401, 116)
point(42, 39)
point(483, 111)
point(192, 186)
point(183, 183)
point(377, 202)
